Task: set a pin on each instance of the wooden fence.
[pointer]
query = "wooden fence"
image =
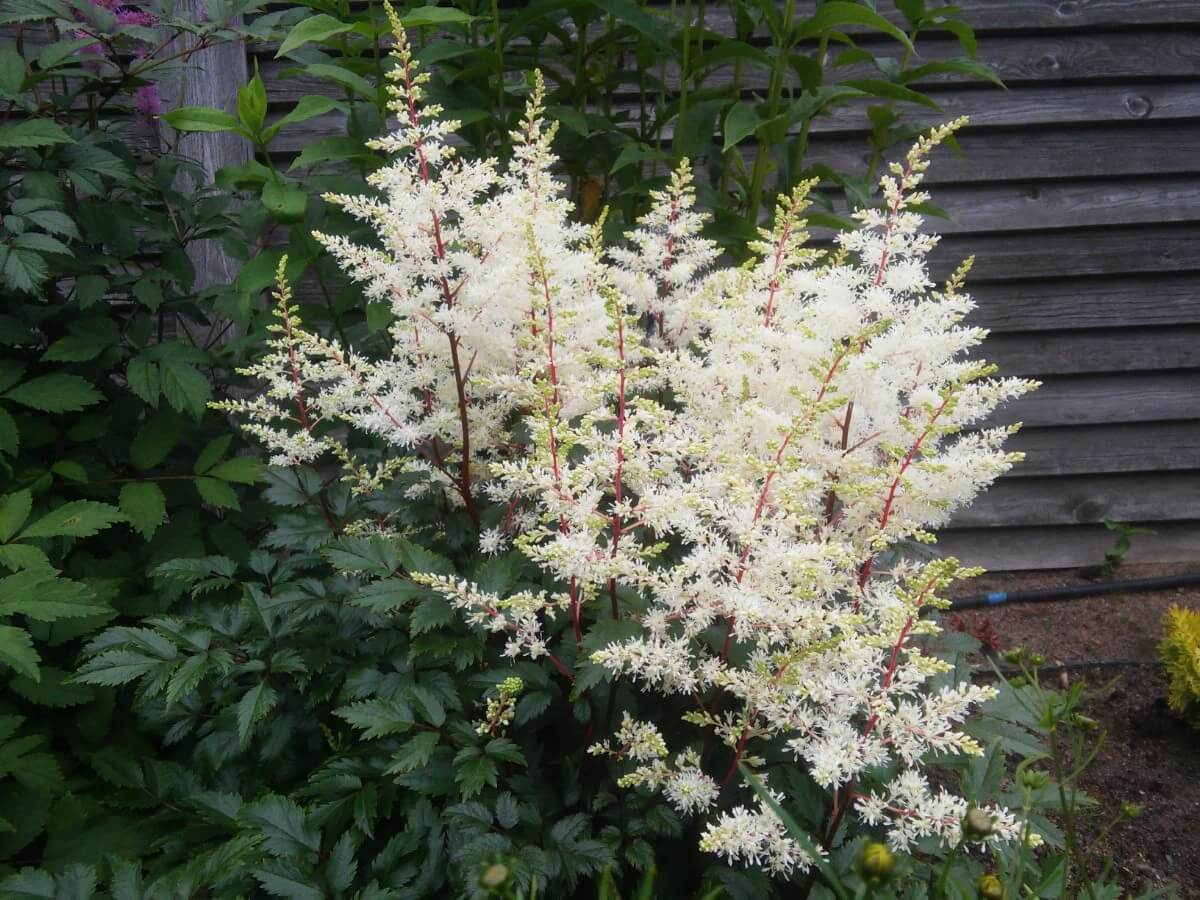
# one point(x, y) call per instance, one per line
point(1079, 193)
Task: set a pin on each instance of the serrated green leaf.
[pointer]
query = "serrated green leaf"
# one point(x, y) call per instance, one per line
point(342, 865)
point(416, 558)
point(282, 878)
point(145, 505)
point(376, 555)
point(184, 387)
point(143, 379)
point(284, 825)
point(428, 704)
point(212, 453)
point(117, 767)
point(472, 774)
point(32, 133)
point(414, 753)
point(79, 518)
point(506, 750)
point(254, 706)
point(16, 650)
point(239, 469)
point(10, 437)
point(154, 441)
point(55, 393)
point(378, 718)
point(430, 613)
point(217, 492)
point(53, 690)
point(14, 510)
point(41, 595)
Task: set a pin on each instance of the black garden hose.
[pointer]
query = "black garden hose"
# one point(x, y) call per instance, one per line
point(1049, 595)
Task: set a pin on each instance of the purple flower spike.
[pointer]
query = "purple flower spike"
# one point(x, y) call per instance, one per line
point(147, 102)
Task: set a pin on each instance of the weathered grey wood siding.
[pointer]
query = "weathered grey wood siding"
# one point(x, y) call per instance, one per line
point(1079, 193)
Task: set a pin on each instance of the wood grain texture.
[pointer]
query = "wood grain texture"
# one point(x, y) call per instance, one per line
point(1079, 194)
point(1092, 449)
point(1041, 153)
point(1085, 500)
point(1065, 547)
point(209, 77)
point(1110, 350)
point(1098, 251)
point(1105, 301)
point(1105, 399)
point(986, 105)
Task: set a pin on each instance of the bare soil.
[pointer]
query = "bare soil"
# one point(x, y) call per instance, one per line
point(1150, 757)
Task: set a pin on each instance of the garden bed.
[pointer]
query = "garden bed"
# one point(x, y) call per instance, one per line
point(1150, 758)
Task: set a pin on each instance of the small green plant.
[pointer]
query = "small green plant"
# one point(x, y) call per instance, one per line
point(1115, 555)
point(1052, 781)
point(1180, 652)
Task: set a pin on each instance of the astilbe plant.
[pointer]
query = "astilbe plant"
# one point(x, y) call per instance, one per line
point(718, 458)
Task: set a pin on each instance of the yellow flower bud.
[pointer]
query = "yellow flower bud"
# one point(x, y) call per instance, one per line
point(977, 824)
point(494, 876)
point(877, 860)
point(990, 888)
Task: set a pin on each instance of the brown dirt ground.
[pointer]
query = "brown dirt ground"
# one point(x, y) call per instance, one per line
point(1150, 757)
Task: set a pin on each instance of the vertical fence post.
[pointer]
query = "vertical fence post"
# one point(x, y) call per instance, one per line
point(209, 77)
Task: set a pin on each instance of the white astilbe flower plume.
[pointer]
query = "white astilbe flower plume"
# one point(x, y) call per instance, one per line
point(735, 447)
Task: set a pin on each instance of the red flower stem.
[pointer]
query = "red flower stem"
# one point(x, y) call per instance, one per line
point(616, 516)
point(448, 297)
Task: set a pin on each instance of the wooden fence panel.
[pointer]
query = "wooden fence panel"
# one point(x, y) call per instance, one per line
point(1079, 194)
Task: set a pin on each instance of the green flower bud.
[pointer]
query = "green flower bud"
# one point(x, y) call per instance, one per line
point(494, 876)
point(1033, 779)
point(990, 887)
point(1130, 810)
point(877, 860)
point(977, 824)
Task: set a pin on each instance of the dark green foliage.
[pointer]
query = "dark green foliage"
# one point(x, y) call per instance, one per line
point(266, 703)
point(109, 459)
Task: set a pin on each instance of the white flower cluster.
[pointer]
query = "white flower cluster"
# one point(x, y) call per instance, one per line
point(737, 446)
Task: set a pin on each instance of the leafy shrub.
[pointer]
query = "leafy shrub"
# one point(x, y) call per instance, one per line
point(735, 86)
point(626, 425)
point(110, 461)
point(1180, 652)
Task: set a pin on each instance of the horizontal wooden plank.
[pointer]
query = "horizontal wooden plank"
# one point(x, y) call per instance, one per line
point(1104, 399)
point(1099, 251)
point(1085, 500)
point(1016, 59)
point(1108, 301)
point(1029, 15)
point(1066, 547)
point(1096, 449)
point(1137, 148)
point(1087, 352)
point(986, 107)
point(984, 14)
point(993, 14)
point(1080, 204)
